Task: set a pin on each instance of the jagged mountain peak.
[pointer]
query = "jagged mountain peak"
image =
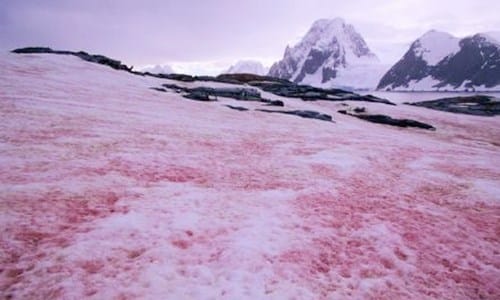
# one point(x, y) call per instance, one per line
point(322, 23)
point(326, 55)
point(325, 32)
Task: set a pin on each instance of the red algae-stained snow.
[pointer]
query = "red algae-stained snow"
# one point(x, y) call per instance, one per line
point(110, 190)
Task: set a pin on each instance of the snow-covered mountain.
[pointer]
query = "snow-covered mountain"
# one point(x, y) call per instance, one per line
point(159, 69)
point(331, 54)
point(248, 66)
point(440, 61)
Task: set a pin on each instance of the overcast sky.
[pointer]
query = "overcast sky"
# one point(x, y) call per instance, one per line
point(207, 36)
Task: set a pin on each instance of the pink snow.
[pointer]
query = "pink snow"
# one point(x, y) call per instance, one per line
point(111, 190)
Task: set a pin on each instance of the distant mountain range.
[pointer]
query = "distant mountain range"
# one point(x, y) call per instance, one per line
point(334, 54)
point(247, 66)
point(439, 61)
point(159, 69)
point(331, 54)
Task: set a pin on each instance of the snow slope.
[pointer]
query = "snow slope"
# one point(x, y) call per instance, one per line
point(434, 46)
point(111, 190)
point(247, 66)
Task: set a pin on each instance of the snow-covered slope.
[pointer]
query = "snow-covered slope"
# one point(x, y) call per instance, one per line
point(434, 46)
point(493, 34)
point(159, 69)
point(331, 54)
point(112, 190)
point(247, 66)
point(439, 61)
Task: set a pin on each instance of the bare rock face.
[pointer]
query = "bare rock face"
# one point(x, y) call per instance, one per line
point(308, 114)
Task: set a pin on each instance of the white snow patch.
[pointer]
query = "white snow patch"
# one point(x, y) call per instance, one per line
point(435, 46)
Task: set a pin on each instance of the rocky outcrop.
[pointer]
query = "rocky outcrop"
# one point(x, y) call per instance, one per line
point(477, 105)
point(387, 120)
point(211, 94)
point(273, 102)
point(94, 58)
point(309, 93)
point(282, 87)
point(238, 108)
point(308, 114)
point(200, 95)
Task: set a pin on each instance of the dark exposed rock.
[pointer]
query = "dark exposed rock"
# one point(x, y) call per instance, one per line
point(99, 59)
point(309, 114)
point(478, 105)
point(29, 50)
point(210, 94)
point(273, 102)
point(158, 89)
point(478, 62)
point(276, 103)
point(383, 119)
point(248, 78)
point(175, 87)
point(359, 110)
point(286, 88)
point(200, 95)
point(313, 62)
point(239, 108)
point(248, 94)
point(309, 93)
point(277, 86)
point(179, 77)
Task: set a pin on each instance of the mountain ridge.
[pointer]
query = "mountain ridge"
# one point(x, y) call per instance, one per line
point(247, 66)
point(439, 61)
